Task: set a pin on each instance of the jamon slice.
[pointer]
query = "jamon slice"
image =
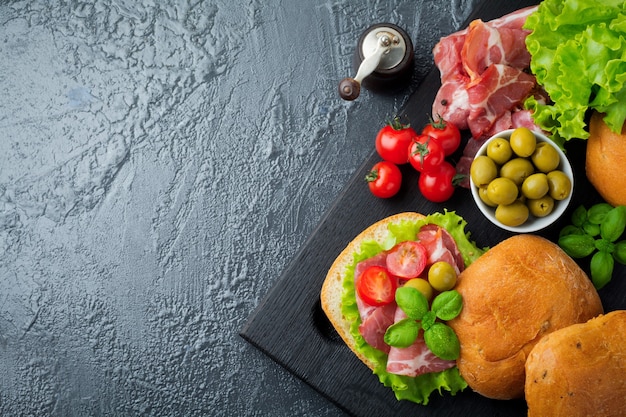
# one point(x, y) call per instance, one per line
point(376, 324)
point(440, 246)
point(499, 89)
point(514, 19)
point(452, 101)
point(447, 56)
point(464, 56)
point(486, 45)
point(416, 359)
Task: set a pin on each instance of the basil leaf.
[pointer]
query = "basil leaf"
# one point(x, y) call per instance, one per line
point(577, 246)
point(402, 334)
point(579, 216)
point(591, 229)
point(442, 341)
point(597, 212)
point(428, 320)
point(412, 302)
point(447, 305)
point(570, 229)
point(604, 245)
point(613, 224)
point(619, 252)
point(601, 269)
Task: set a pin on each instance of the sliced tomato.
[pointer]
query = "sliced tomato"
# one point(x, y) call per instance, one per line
point(407, 259)
point(376, 286)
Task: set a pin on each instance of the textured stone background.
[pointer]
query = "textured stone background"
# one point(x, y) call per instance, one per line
point(160, 164)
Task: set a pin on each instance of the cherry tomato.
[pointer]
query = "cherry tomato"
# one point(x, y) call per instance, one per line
point(438, 185)
point(385, 179)
point(425, 153)
point(447, 134)
point(393, 141)
point(407, 259)
point(376, 286)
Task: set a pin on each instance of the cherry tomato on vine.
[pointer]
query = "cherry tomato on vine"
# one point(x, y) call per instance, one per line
point(425, 153)
point(376, 286)
point(438, 185)
point(385, 179)
point(447, 134)
point(393, 141)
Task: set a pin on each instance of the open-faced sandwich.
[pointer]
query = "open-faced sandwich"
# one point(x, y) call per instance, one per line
point(359, 298)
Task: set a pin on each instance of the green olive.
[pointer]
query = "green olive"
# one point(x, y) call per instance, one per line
point(545, 157)
point(560, 186)
point(541, 207)
point(482, 193)
point(513, 214)
point(517, 170)
point(483, 170)
point(499, 149)
point(422, 286)
point(535, 186)
point(442, 276)
point(523, 142)
point(502, 191)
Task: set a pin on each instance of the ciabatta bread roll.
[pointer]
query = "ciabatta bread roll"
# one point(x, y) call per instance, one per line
point(520, 290)
point(579, 370)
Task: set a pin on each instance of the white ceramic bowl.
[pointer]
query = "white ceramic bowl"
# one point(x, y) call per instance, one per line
point(533, 223)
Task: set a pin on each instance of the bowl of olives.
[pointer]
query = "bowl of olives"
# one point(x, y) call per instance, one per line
point(521, 180)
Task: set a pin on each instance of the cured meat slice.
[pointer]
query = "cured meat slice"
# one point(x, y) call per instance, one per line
point(376, 324)
point(447, 56)
point(416, 359)
point(499, 89)
point(524, 118)
point(452, 102)
point(440, 246)
point(514, 19)
point(486, 45)
point(463, 58)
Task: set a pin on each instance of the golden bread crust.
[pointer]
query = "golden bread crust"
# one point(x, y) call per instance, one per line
point(579, 370)
point(605, 160)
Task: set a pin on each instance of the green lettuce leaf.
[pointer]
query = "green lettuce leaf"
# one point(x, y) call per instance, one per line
point(578, 51)
point(415, 389)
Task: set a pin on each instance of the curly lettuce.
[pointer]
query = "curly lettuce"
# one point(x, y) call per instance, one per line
point(415, 389)
point(578, 55)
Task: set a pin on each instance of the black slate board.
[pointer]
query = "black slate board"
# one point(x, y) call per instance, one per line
point(290, 327)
